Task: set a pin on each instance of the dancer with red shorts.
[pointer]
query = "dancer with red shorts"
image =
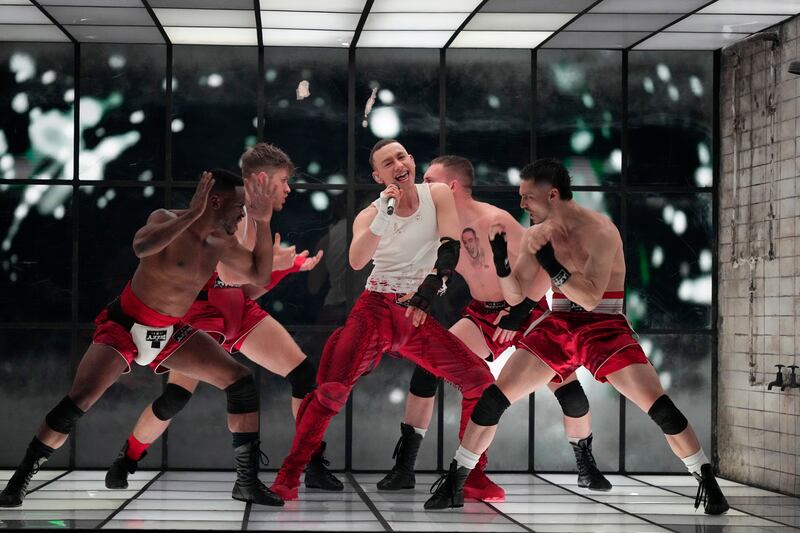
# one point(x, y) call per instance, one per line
point(229, 312)
point(581, 251)
point(414, 247)
point(144, 324)
point(489, 326)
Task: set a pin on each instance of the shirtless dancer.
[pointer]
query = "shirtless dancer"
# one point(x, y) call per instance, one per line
point(177, 253)
point(488, 328)
point(581, 251)
point(414, 250)
point(230, 313)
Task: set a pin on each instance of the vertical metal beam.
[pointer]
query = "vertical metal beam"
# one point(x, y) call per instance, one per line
point(715, 355)
point(351, 215)
point(532, 157)
point(76, 151)
point(624, 137)
point(260, 85)
point(167, 199)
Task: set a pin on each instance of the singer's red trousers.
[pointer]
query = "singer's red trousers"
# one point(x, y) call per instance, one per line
point(377, 324)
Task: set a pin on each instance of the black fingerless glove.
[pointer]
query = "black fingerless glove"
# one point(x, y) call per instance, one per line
point(500, 255)
point(517, 315)
point(426, 292)
point(547, 258)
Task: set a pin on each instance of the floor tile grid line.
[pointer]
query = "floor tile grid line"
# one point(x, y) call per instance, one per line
point(129, 500)
point(369, 503)
point(246, 518)
point(773, 520)
point(49, 481)
point(509, 518)
point(623, 511)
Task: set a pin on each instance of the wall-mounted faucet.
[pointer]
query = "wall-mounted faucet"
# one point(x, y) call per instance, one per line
point(778, 379)
point(792, 384)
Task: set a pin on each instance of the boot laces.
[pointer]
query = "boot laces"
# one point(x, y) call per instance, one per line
point(702, 493)
point(262, 457)
point(442, 483)
point(586, 462)
point(397, 448)
point(23, 481)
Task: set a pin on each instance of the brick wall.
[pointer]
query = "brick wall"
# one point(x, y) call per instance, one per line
point(759, 262)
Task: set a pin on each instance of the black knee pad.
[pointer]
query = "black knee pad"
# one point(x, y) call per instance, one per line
point(242, 396)
point(423, 383)
point(169, 404)
point(303, 379)
point(62, 417)
point(573, 400)
point(490, 407)
point(667, 416)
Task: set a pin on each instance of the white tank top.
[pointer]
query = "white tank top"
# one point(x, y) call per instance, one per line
point(407, 251)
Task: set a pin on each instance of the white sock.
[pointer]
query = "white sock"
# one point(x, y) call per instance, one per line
point(420, 431)
point(466, 458)
point(694, 462)
point(574, 440)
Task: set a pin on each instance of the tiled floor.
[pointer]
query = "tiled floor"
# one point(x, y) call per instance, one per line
point(548, 502)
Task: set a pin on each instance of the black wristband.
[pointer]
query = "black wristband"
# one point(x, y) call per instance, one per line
point(500, 255)
point(517, 315)
point(547, 258)
point(426, 292)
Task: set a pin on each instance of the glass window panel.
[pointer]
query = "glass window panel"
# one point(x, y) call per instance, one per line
point(579, 112)
point(35, 375)
point(683, 363)
point(313, 131)
point(669, 259)
point(36, 252)
point(670, 117)
point(277, 424)
point(214, 107)
point(36, 99)
point(122, 112)
point(379, 401)
point(311, 220)
point(551, 450)
point(114, 416)
point(106, 257)
point(203, 420)
point(488, 111)
point(509, 449)
point(406, 105)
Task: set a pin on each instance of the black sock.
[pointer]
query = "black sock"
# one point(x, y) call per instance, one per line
point(38, 450)
point(243, 438)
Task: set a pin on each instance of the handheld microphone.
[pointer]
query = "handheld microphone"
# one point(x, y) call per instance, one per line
point(390, 207)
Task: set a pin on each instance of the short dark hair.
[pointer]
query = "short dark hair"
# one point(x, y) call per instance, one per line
point(265, 157)
point(461, 165)
point(470, 230)
point(377, 146)
point(550, 171)
point(225, 180)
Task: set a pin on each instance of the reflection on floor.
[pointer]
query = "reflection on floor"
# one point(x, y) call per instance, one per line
point(548, 502)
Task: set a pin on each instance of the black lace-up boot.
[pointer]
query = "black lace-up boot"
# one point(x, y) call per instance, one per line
point(589, 476)
point(248, 487)
point(448, 490)
point(405, 454)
